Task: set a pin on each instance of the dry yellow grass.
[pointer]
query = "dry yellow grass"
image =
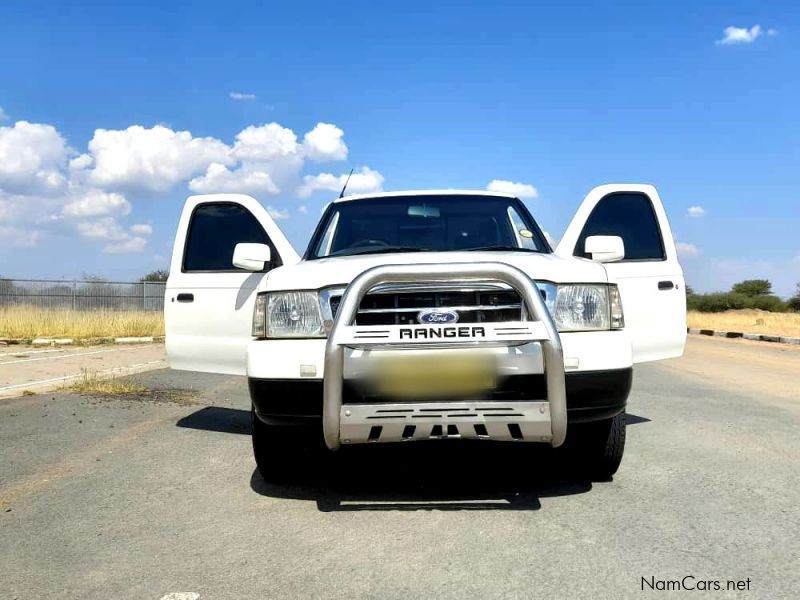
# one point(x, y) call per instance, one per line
point(24, 322)
point(90, 383)
point(747, 321)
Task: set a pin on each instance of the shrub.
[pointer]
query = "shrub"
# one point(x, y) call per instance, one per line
point(770, 303)
point(722, 301)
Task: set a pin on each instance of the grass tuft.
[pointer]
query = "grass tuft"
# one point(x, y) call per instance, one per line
point(90, 383)
point(26, 322)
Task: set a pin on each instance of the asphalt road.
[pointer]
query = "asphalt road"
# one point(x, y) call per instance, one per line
point(147, 496)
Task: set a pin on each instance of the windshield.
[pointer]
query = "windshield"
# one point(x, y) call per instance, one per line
point(426, 223)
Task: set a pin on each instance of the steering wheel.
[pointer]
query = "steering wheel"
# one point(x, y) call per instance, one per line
point(362, 243)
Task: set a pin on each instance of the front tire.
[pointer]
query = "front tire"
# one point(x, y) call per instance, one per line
point(598, 447)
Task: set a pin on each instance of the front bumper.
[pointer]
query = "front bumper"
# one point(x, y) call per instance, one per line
point(591, 396)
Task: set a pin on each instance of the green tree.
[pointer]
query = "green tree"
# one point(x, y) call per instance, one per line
point(794, 301)
point(753, 288)
point(158, 275)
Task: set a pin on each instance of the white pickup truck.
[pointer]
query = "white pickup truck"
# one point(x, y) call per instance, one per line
point(430, 315)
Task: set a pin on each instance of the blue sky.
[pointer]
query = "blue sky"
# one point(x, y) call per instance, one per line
point(561, 98)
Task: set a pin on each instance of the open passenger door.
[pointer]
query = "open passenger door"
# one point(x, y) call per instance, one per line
point(208, 305)
point(649, 277)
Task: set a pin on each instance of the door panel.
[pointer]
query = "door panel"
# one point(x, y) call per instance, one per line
point(208, 306)
point(650, 278)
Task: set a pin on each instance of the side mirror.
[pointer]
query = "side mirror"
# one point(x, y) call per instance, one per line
point(251, 257)
point(605, 248)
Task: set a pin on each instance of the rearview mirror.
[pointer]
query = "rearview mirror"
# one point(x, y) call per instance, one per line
point(605, 248)
point(251, 257)
point(430, 212)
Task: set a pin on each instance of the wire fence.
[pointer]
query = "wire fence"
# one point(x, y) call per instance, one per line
point(82, 295)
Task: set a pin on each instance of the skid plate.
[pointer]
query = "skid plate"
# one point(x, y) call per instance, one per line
point(501, 421)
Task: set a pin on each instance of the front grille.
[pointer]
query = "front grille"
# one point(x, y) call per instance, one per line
point(402, 308)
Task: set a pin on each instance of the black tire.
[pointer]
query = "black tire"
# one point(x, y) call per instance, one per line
point(598, 447)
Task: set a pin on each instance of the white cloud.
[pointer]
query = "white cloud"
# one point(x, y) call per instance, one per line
point(32, 156)
point(743, 35)
point(265, 143)
point(46, 186)
point(363, 181)
point(141, 229)
point(96, 203)
point(106, 228)
point(696, 212)
point(3, 114)
point(110, 230)
point(241, 96)
point(520, 190)
point(685, 249)
point(17, 237)
point(324, 143)
point(155, 159)
point(219, 179)
point(302, 210)
point(131, 245)
point(81, 162)
point(278, 214)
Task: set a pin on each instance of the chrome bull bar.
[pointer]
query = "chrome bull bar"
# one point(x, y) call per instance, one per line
point(540, 328)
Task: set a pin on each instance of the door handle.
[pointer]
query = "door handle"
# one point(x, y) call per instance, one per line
point(665, 285)
point(185, 297)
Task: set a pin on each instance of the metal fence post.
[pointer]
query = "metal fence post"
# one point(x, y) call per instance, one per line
point(74, 294)
point(144, 295)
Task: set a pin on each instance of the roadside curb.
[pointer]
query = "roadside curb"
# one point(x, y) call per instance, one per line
point(82, 342)
point(758, 337)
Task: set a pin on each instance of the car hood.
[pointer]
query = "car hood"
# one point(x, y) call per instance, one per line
point(341, 270)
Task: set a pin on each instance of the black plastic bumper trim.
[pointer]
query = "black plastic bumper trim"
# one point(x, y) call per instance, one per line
point(595, 395)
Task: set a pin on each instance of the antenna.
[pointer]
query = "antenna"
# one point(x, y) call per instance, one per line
point(344, 187)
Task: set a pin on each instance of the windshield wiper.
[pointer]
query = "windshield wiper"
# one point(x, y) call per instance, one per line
point(377, 250)
point(500, 248)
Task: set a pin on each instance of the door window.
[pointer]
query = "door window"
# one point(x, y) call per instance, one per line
point(214, 231)
point(631, 217)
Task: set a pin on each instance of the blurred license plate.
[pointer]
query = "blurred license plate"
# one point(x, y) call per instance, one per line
point(436, 376)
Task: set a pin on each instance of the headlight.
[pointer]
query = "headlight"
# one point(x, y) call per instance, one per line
point(288, 315)
point(584, 307)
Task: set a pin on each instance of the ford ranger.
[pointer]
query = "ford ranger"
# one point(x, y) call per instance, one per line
point(430, 315)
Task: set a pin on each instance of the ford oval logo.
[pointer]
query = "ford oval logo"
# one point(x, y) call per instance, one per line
point(434, 315)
